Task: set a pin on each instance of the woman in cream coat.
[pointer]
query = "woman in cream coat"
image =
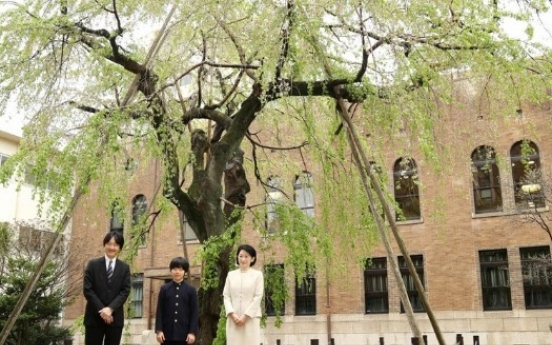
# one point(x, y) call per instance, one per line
point(243, 293)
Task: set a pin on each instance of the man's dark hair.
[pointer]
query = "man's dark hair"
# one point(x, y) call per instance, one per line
point(117, 236)
point(179, 262)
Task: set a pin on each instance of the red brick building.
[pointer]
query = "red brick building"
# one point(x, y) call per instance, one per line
point(463, 220)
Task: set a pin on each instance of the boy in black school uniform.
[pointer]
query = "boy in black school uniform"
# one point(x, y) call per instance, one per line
point(177, 317)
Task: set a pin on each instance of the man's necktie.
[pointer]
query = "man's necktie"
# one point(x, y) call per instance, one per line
point(110, 271)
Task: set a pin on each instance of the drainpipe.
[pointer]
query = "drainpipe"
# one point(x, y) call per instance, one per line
point(152, 245)
point(183, 230)
point(328, 305)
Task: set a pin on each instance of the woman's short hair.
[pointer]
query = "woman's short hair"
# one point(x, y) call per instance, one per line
point(250, 250)
point(179, 262)
point(117, 236)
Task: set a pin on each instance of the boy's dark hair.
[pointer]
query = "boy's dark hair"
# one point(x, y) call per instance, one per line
point(250, 250)
point(179, 262)
point(117, 236)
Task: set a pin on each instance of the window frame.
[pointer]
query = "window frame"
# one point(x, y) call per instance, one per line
point(36, 241)
point(305, 295)
point(303, 193)
point(188, 232)
point(408, 281)
point(116, 222)
point(137, 303)
point(274, 195)
point(529, 162)
point(496, 264)
point(376, 268)
point(530, 289)
point(3, 158)
point(378, 172)
point(405, 169)
point(139, 209)
point(486, 183)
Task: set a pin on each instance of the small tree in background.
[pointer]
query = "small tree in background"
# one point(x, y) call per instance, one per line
point(38, 323)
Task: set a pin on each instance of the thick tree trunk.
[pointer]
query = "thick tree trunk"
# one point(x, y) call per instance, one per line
point(210, 301)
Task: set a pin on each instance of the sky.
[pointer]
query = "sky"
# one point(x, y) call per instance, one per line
point(12, 121)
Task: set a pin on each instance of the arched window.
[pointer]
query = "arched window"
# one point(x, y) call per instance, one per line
point(376, 169)
point(405, 184)
point(526, 176)
point(139, 208)
point(274, 196)
point(304, 196)
point(117, 221)
point(487, 194)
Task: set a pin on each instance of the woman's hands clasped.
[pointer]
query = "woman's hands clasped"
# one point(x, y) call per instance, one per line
point(239, 320)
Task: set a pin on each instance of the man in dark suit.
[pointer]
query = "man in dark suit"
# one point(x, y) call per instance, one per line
point(177, 317)
point(106, 288)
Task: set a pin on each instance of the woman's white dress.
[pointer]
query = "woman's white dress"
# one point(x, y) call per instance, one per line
point(243, 293)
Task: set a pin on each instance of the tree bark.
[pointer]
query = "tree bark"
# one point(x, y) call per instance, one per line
point(210, 301)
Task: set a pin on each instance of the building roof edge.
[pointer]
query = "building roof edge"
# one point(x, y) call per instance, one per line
point(9, 136)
